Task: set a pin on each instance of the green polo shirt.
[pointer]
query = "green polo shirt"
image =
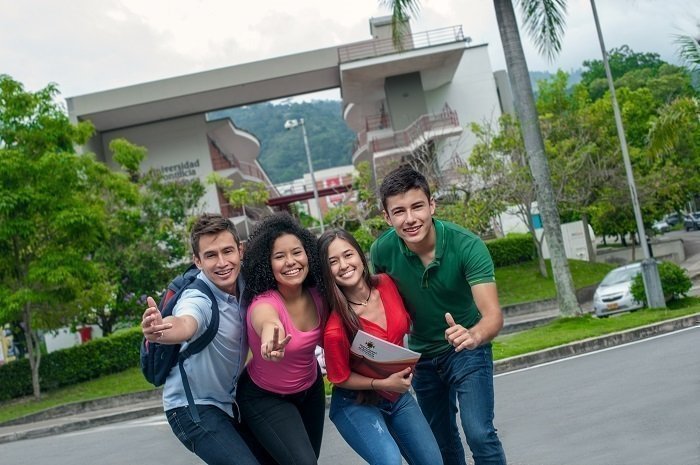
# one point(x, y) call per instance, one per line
point(461, 261)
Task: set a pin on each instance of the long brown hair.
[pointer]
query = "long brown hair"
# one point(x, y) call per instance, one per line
point(334, 295)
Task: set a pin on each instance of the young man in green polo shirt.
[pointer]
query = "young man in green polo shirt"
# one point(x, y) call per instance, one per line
point(445, 275)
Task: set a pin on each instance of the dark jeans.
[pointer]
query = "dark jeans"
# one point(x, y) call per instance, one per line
point(289, 426)
point(465, 377)
point(217, 439)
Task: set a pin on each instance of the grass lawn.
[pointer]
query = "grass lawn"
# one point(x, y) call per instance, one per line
point(128, 381)
point(565, 330)
point(524, 283)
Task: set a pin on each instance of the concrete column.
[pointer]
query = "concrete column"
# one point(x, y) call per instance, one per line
point(652, 284)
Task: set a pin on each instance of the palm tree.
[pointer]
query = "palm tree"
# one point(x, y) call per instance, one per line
point(689, 48)
point(545, 22)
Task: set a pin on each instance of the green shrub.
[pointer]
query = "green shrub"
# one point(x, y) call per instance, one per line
point(674, 282)
point(73, 365)
point(512, 249)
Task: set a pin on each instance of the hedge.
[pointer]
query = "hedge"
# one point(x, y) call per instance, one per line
point(73, 365)
point(512, 249)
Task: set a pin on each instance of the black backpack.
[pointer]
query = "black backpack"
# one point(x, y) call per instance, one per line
point(158, 359)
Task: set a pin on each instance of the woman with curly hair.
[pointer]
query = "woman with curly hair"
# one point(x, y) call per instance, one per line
point(380, 426)
point(281, 393)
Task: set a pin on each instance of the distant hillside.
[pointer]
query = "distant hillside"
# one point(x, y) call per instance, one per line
point(574, 77)
point(282, 152)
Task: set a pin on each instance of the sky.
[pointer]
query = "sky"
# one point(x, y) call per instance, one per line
point(86, 46)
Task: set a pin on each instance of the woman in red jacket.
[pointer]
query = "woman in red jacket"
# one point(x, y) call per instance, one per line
point(378, 417)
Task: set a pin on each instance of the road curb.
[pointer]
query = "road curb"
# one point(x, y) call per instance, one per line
point(87, 406)
point(593, 344)
point(80, 424)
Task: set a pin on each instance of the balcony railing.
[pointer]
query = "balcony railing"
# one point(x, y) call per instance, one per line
point(377, 122)
point(379, 47)
point(416, 133)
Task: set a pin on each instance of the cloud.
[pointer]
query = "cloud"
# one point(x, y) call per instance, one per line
point(88, 45)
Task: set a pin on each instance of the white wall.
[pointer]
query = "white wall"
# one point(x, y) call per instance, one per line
point(178, 147)
point(574, 240)
point(64, 338)
point(472, 94)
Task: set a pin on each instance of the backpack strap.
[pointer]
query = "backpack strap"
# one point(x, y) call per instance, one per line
point(198, 344)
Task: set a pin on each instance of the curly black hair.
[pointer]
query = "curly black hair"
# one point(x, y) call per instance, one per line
point(256, 267)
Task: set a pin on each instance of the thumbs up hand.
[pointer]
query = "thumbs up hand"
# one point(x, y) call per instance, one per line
point(459, 336)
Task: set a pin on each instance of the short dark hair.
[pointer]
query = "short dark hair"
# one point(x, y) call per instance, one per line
point(401, 180)
point(334, 295)
point(210, 223)
point(256, 267)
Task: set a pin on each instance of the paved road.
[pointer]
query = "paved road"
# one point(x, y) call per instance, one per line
point(634, 404)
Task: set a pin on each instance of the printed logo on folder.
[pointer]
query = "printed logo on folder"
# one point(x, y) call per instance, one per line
point(377, 358)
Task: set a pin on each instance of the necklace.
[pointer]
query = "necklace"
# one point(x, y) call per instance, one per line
point(364, 304)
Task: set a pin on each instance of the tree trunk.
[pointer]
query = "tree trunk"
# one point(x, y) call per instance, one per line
point(587, 236)
point(542, 264)
point(33, 350)
point(529, 123)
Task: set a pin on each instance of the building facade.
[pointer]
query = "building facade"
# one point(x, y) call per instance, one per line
point(408, 104)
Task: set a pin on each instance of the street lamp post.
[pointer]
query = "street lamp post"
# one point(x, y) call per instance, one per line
point(290, 124)
point(650, 272)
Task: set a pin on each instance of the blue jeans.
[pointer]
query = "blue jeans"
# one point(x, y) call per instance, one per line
point(217, 439)
point(465, 377)
point(382, 433)
point(288, 426)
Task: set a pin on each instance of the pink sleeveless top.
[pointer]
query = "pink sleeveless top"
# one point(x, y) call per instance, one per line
point(298, 370)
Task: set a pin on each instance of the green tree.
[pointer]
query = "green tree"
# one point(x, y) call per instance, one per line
point(52, 213)
point(500, 161)
point(250, 194)
point(146, 239)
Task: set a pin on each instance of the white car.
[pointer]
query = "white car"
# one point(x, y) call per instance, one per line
point(661, 226)
point(614, 291)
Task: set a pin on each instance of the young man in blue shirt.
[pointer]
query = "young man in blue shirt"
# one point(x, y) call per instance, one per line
point(218, 438)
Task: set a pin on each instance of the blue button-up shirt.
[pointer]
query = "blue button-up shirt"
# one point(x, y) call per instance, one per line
point(212, 373)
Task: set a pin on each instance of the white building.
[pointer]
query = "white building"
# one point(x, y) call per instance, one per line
point(400, 101)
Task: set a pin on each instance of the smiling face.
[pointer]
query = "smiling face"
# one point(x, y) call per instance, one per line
point(346, 264)
point(220, 260)
point(290, 265)
point(411, 213)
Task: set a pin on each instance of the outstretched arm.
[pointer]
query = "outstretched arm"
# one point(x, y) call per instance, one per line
point(168, 330)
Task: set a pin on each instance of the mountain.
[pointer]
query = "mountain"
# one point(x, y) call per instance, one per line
point(282, 152)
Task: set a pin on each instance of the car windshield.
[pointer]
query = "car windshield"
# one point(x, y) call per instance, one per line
point(620, 275)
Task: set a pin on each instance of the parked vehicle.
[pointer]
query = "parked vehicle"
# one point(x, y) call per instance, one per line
point(673, 219)
point(661, 227)
point(692, 221)
point(613, 294)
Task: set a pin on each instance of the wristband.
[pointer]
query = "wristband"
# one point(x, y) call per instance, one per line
point(371, 384)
